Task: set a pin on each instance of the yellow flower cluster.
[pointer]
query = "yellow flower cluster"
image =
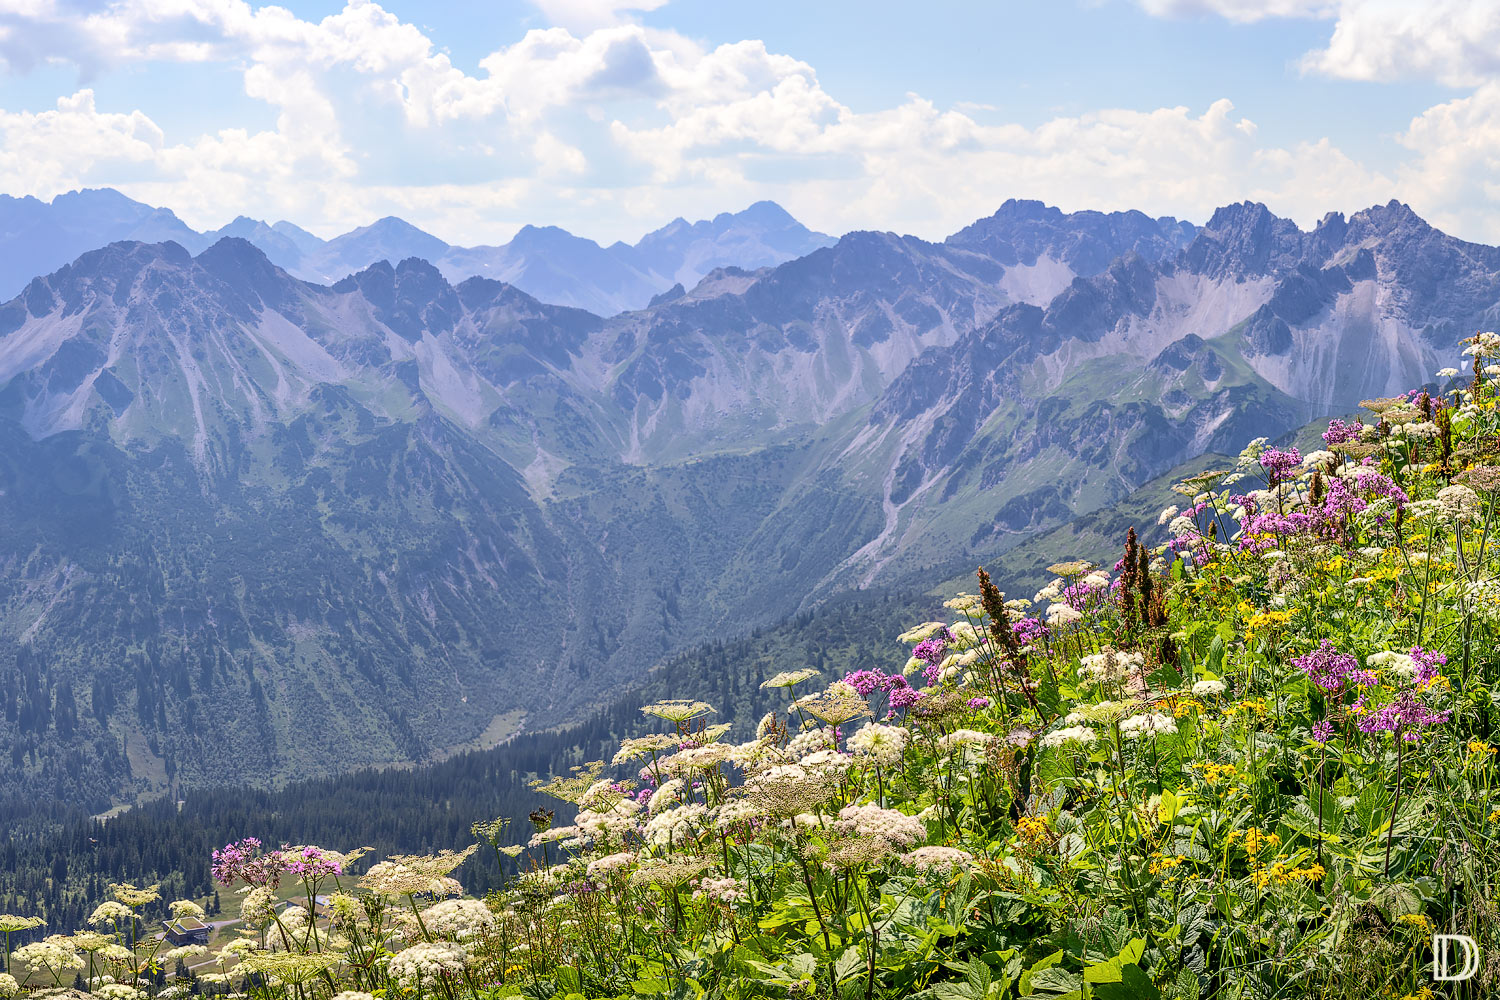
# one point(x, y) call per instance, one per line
point(1215, 773)
point(1255, 840)
point(1265, 621)
point(1033, 829)
point(1250, 706)
point(1418, 920)
point(1182, 707)
point(1479, 747)
point(1162, 863)
point(1282, 872)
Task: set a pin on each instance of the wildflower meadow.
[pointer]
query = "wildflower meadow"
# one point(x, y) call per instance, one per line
point(1257, 761)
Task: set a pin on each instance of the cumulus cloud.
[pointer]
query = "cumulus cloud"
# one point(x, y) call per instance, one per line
point(609, 127)
point(1455, 42)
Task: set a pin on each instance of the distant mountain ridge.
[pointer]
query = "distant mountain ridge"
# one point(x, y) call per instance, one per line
point(37, 237)
point(411, 508)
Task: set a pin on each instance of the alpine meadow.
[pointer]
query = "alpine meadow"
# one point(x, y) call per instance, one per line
point(655, 500)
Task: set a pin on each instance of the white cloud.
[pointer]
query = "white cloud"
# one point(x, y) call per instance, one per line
point(1455, 42)
point(613, 129)
point(1243, 11)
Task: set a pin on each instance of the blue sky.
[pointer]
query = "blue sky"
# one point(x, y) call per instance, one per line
point(610, 118)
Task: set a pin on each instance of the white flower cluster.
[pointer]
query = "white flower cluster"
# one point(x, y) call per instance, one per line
point(790, 678)
point(963, 738)
point(1110, 666)
point(882, 745)
point(1421, 430)
point(926, 630)
point(116, 991)
point(1484, 345)
point(1400, 664)
point(673, 826)
point(1062, 615)
point(1081, 735)
point(1208, 689)
point(666, 795)
point(890, 825)
point(460, 918)
point(53, 952)
point(1149, 724)
point(610, 863)
point(427, 963)
point(609, 824)
point(722, 890)
point(1460, 501)
point(944, 860)
point(111, 912)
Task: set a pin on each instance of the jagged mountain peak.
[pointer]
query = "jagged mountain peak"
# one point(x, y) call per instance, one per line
point(1031, 234)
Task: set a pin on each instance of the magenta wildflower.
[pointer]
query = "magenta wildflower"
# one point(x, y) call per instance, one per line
point(1327, 667)
point(979, 703)
point(1339, 432)
point(242, 861)
point(930, 649)
point(867, 681)
point(1322, 732)
point(1405, 716)
point(1278, 463)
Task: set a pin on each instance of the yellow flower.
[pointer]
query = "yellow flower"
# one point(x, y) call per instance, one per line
point(1417, 920)
point(1265, 621)
point(1032, 829)
point(1163, 863)
point(1479, 747)
point(1255, 840)
point(1215, 773)
point(1250, 706)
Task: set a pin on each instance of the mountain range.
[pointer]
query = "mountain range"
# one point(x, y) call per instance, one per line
point(258, 527)
point(552, 264)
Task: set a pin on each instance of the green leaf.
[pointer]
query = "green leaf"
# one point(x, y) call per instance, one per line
point(650, 987)
point(848, 964)
point(1041, 966)
point(1054, 983)
point(1133, 985)
point(1167, 810)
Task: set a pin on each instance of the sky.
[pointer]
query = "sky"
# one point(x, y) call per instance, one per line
point(612, 117)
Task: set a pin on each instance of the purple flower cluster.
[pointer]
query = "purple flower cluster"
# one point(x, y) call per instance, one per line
point(1028, 630)
point(866, 681)
point(1278, 463)
point(308, 862)
point(931, 649)
point(241, 861)
point(1322, 732)
point(1339, 432)
point(1083, 597)
point(1406, 716)
point(903, 695)
point(1428, 662)
point(1331, 670)
point(979, 703)
point(900, 692)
